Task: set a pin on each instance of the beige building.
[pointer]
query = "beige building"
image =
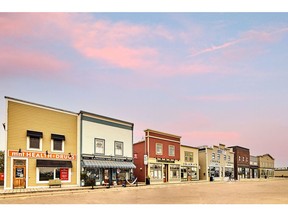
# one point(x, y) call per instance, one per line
point(216, 163)
point(281, 172)
point(189, 163)
point(41, 144)
point(266, 166)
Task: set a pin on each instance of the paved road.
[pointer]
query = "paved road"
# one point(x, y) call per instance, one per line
point(245, 192)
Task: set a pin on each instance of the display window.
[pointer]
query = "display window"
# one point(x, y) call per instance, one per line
point(155, 171)
point(174, 171)
point(44, 174)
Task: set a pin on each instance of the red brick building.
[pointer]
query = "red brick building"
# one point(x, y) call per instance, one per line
point(241, 162)
point(157, 158)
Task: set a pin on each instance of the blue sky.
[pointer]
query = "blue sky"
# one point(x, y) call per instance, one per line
point(209, 77)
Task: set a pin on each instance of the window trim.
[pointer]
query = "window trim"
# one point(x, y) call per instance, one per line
point(95, 146)
point(169, 146)
point(122, 144)
point(189, 152)
point(160, 144)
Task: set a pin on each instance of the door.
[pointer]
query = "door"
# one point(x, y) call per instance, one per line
point(19, 174)
point(165, 173)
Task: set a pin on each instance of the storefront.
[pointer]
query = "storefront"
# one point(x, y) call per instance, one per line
point(189, 173)
point(106, 171)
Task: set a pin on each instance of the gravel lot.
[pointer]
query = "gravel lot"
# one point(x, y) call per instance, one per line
point(270, 191)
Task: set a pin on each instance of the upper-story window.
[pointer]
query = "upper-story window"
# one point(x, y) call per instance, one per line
point(57, 142)
point(246, 159)
point(188, 156)
point(229, 158)
point(34, 140)
point(243, 158)
point(218, 156)
point(239, 158)
point(171, 150)
point(99, 146)
point(224, 157)
point(159, 149)
point(118, 148)
point(213, 155)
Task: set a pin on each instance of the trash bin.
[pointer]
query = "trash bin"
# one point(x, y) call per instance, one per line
point(147, 181)
point(211, 178)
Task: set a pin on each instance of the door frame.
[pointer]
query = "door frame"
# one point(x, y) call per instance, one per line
point(12, 171)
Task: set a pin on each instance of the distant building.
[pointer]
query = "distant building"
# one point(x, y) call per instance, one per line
point(157, 158)
point(189, 163)
point(216, 163)
point(254, 167)
point(241, 162)
point(266, 166)
point(281, 172)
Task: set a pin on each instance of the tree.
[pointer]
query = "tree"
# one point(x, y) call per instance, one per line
point(1, 161)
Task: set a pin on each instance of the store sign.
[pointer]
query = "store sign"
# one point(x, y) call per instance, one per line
point(43, 155)
point(64, 173)
point(145, 159)
point(189, 164)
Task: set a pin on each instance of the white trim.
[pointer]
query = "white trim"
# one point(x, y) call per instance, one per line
point(11, 169)
point(33, 149)
point(57, 151)
point(161, 148)
point(162, 139)
point(46, 182)
point(169, 150)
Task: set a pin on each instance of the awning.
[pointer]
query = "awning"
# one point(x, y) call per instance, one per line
point(34, 134)
point(53, 163)
point(57, 137)
point(108, 164)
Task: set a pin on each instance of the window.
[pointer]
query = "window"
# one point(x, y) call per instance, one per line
point(213, 155)
point(229, 158)
point(47, 173)
point(99, 146)
point(224, 157)
point(155, 171)
point(246, 159)
point(57, 142)
point(159, 148)
point(188, 156)
point(218, 156)
point(118, 148)
point(243, 158)
point(239, 158)
point(174, 171)
point(171, 150)
point(34, 140)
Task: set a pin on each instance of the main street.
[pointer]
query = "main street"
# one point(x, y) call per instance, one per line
point(238, 192)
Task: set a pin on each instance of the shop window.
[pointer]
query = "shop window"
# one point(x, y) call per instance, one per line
point(174, 171)
point(171, 150)
point(188, 156)
point(118, 148)
point(155, 171)
point(159, 149)
point(34, 140)
point(47, 173)
point(99, 146)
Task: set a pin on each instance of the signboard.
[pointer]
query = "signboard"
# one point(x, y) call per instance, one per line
point(43, 155)
point(145, 159)
point(64, 173)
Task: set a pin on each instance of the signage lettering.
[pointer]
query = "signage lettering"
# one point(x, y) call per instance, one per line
point(15, 153)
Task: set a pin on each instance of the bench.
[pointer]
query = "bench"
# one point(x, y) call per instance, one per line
point(54, 182)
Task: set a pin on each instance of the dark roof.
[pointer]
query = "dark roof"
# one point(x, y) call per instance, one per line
point(240, 147)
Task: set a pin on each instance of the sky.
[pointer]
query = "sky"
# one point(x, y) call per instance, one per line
point(208, 77)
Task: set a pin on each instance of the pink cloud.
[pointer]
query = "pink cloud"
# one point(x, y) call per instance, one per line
point(217, 98)
point(18, 62)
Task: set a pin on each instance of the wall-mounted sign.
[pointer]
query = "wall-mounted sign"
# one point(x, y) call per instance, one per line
point(43, 155)
point(189, 164)
point(145, 159)
point(64, 173)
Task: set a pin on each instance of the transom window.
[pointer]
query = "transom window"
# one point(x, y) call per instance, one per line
point(188, 156)
point(171, 150)
point(118, 148)
point(99, 146)
point(159, 149)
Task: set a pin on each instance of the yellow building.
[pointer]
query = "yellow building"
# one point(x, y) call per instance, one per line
point(189, 163)
point(266, 166)
point(41, 144)
point(216, 163)
point(281, 172)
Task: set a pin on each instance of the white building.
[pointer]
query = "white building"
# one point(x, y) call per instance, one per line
point(106, 149)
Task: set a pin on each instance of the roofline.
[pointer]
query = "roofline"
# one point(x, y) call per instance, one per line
point(189, 146)
point(267, 155)
point(239, 147)
point(40, 105)
point(105, 117)
point(163, 133)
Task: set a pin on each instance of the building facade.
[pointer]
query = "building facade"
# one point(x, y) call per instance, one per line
point(189, 163)
point(266, 166)
point(157, 158)
point(216, 163)
point(41, 144)
point(241, 162)
point(254, 167)
point(281, 172)
point(106, 149)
